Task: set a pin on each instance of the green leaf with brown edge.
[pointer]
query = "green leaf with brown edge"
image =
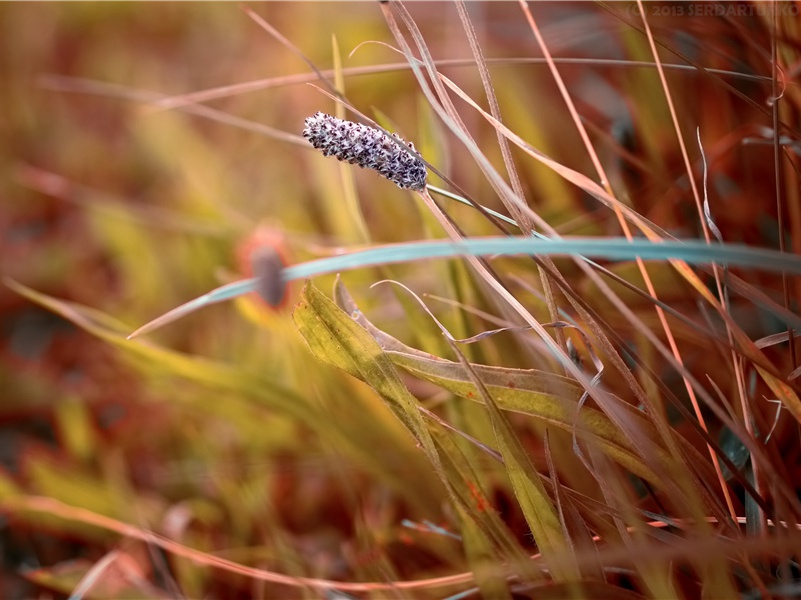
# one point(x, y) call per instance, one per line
point(548, 397)
point(552, 399)
point(470, 494)
point(538, 509)
point(334, 337)
point(472, 503)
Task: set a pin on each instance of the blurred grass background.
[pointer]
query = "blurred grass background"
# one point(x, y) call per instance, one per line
point(224, 433)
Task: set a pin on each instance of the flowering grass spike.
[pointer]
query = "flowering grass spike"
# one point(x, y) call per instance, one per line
point(367, 147)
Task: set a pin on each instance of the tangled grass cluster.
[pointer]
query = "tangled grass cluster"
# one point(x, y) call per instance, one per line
point(633, 432)
point(395, 159)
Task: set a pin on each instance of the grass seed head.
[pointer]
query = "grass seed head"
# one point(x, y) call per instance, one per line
point(367, 147)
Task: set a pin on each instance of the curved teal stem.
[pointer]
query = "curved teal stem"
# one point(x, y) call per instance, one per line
point(694, 251)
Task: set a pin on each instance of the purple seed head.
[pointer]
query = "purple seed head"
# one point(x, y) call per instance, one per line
point(367, 147)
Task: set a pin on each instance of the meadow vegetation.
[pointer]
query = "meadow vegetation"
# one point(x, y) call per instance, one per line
point(517, 425)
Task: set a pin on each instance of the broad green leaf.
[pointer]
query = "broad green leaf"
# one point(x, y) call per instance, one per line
point(473, 504)
point(337, 339)
point(540, 512)
point(334, 337)
point(549, 397)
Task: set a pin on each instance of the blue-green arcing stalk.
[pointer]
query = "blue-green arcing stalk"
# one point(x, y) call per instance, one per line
point(692, 251)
